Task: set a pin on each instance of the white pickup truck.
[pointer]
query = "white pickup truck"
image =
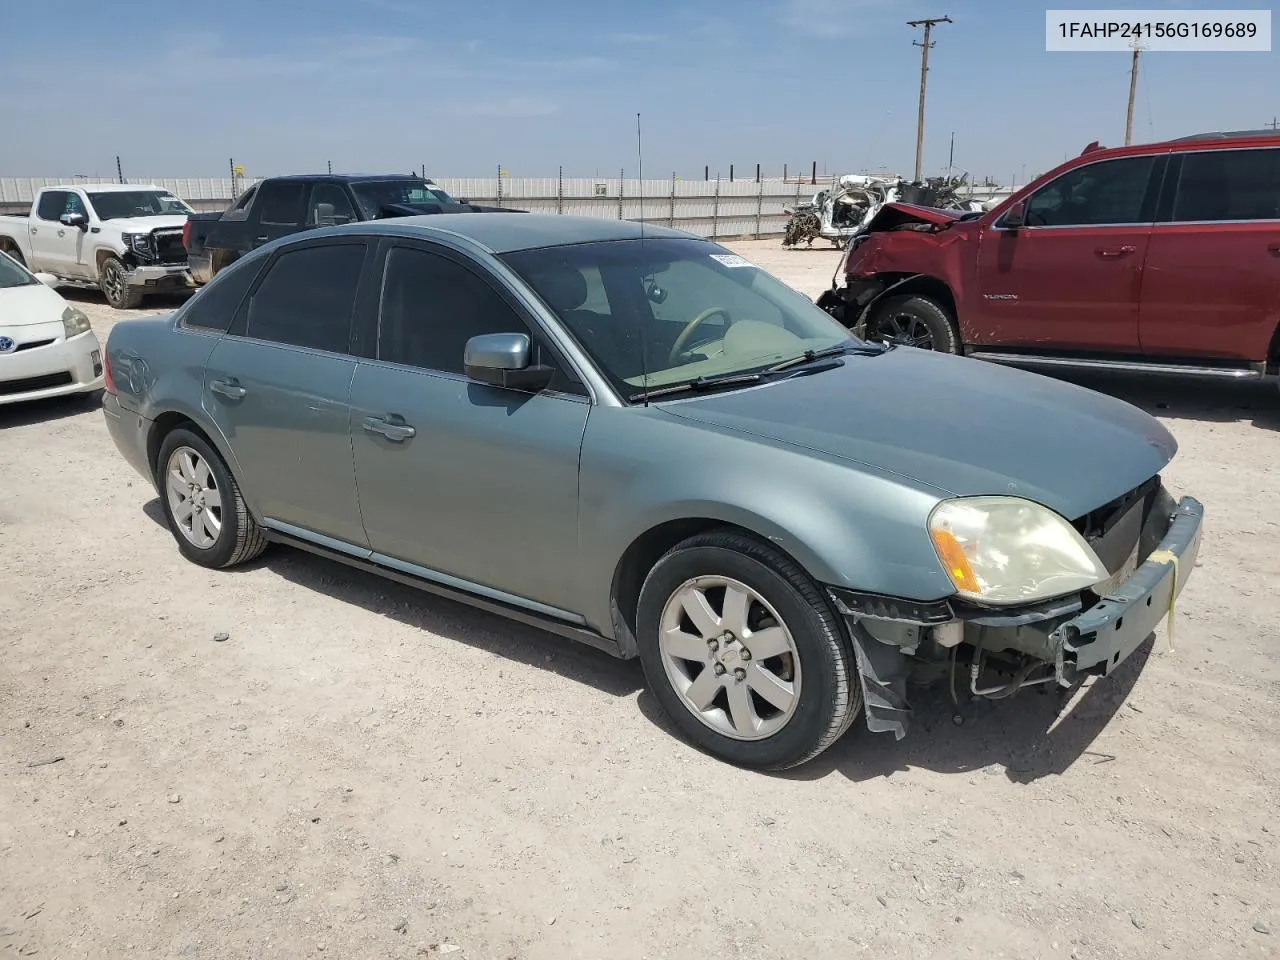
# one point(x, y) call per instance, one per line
point(125, 239)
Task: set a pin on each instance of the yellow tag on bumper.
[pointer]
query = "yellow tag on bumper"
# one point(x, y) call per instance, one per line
point(1168, 556)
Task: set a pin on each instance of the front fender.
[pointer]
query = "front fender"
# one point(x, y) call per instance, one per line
point(847, 525)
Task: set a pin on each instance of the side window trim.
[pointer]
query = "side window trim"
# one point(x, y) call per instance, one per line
point(240, 322)
point(1149, 197)
point(369, 349)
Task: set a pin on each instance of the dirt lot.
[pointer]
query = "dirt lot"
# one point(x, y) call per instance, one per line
point(364, 771)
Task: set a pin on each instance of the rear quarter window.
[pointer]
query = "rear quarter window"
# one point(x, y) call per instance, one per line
point(214, 306)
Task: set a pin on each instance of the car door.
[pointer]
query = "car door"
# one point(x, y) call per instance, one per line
point(1070, 278)
point(1211, 287)
point(460, 479)
point(277, 386)
point(278, 211)
point(53, 244)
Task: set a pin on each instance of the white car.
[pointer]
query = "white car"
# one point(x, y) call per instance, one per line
point(47, 347)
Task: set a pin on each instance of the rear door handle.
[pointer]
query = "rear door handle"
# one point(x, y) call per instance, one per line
point(1274, 249)
point(228, 388)
point(389, 428)
point(259, 239)
point(1110, 253)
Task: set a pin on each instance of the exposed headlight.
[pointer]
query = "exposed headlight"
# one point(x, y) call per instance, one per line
point(1005, 550)
point(139, 243)
point(74, 322)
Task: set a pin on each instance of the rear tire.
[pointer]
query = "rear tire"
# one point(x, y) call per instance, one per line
point(768, 682)
point(202, 503)
point(16, 254)
point(913, 320)
point(114, 283)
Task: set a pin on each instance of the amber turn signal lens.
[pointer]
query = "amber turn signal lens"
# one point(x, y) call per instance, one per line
point(953, 558)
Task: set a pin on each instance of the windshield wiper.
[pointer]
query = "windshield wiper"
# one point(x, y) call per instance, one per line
point(699, 384)
point(811, 355)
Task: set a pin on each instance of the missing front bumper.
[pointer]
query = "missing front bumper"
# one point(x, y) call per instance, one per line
point(892, 637)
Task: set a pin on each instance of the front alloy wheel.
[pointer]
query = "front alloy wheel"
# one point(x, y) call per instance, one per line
point(730, 658)
point(744, 652)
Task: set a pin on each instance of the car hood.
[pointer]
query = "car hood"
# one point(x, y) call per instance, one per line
point(896, 214)
point(27, 306)
point(962, 427)
point(146, 224)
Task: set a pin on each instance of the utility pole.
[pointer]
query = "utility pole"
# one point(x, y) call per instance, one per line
point(1133, 90)
point(1274, 124)
point(924, 72)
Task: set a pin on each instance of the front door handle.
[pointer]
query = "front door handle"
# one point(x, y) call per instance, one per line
point(392, 430)
point(62, 233)
point(1274, 249)
point(228, 388)
point(1111, 253)
point(259, 239)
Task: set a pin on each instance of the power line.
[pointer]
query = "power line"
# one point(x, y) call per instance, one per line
point(924, 46)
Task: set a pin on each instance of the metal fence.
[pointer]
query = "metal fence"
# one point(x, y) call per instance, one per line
point(718, 208)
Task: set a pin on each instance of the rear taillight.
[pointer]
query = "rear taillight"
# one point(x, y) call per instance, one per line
point(186, 233)
point(108, 384)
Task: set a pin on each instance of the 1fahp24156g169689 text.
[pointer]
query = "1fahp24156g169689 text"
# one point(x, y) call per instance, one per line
point(1186, 30)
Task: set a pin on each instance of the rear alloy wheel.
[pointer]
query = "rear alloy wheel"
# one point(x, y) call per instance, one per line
point(744, 653)
point(114, 281)
point(202, 503)
point(911, 320)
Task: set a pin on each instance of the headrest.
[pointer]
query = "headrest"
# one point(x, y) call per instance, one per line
point(564, 289)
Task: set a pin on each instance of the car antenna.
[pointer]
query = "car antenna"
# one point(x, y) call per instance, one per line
point(644, 343)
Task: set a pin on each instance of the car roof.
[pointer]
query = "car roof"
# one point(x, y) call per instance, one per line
point(348, 177)
point(106, 187)
point(507, 232)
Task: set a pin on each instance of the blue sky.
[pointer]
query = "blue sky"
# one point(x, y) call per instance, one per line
point(286, 85)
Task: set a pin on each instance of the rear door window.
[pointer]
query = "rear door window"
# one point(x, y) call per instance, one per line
point(280, 204)
point(1228, 185)
point(308, 297)
point(53, 203)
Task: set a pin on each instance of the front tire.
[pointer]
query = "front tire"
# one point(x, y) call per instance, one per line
point(202, 503)
point(912, 320)
point(744, 653)
point(114, 282)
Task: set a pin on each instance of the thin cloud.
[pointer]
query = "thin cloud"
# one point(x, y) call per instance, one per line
point(509, 107)
point(835, 19)
point(633, 37)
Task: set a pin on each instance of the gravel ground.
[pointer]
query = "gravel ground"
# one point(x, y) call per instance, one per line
point(364, 771)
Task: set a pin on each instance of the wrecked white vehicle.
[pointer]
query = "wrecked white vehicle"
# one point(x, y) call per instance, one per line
point(842, 212)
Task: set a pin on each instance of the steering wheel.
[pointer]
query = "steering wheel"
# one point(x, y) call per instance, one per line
point(693, 325)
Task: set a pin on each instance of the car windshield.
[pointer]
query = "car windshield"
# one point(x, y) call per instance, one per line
point(674, 309)
point(12, 275)
point(122, 204)
point(373, 195)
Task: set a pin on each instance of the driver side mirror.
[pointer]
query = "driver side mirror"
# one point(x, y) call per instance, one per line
point(503, 360)
point(1015, 216)
point(78, 220)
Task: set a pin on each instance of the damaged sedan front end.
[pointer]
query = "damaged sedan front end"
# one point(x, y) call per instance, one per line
point(1135, 555)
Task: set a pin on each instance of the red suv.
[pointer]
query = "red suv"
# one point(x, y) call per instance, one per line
point(1163, 257)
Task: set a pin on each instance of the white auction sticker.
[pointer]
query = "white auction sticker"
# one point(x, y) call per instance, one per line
point(732, 260)
point(1222, 31)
